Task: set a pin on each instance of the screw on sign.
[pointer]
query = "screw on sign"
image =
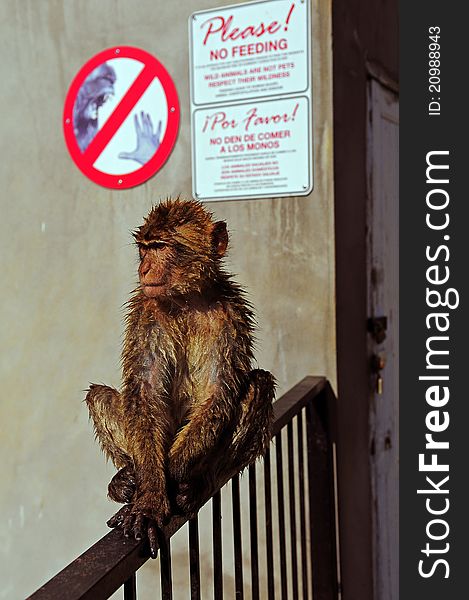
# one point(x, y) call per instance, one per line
point(121, 117)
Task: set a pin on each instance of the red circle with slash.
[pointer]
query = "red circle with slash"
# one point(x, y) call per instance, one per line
point(86, 158)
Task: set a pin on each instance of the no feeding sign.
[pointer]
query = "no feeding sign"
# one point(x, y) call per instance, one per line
point(251, 100)
point(121, 117)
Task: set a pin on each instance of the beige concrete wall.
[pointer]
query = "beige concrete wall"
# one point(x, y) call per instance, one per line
point(68, 265)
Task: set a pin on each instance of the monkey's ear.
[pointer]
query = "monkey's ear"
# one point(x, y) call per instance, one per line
point(220, 237)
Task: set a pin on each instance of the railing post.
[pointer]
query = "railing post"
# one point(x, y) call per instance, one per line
point(166, 572)
point(217, 547)
point(281, 517)
point(130, 588)
point(237, 540)
point(253, 532)
point(320, 427)
point(194, 562)
point(292, 504)
point(268, 526)
point(302, 480)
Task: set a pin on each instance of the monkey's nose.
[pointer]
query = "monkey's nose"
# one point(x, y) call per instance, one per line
point(144, 268)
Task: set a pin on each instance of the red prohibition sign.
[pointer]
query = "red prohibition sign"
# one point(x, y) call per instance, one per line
point(86, 156)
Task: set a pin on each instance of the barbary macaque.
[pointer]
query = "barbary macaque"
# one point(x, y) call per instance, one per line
point(191, 412)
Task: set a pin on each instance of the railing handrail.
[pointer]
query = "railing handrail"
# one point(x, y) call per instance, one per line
point(112, 561)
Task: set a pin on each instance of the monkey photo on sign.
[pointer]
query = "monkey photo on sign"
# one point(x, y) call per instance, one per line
point(191, 412)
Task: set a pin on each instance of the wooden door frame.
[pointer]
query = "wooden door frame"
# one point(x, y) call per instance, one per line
point(365, 44)
point(383, 300)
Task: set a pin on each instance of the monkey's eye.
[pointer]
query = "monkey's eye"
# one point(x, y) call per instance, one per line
point(143, 248)
point(157, 245)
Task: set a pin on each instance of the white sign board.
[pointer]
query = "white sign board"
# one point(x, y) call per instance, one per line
point(251, 100)
point(250, 50)
point(252, 150)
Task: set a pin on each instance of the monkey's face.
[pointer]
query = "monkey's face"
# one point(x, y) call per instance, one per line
point(154, 271)
point(180, 249)
point(171, 268)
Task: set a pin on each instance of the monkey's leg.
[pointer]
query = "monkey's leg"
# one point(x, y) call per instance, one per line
point(249, 441)
point(105, 407)
point(202, 433)
point(254, 431)
point(106, 411)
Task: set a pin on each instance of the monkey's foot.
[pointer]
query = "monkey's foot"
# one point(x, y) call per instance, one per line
point(122, 486)
point(190, 496)
point(137, 525)
point(186, 503)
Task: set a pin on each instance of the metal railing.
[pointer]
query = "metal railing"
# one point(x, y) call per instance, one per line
point(312, 557)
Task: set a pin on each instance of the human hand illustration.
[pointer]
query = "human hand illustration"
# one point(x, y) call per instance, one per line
point(148, 141)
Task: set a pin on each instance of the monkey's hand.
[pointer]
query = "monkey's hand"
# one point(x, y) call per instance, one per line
point(138, 526)
point(153, 505)
point(142, 519)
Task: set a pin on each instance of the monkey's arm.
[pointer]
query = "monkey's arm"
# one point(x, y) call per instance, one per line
point(149, 447)
point(147, 428)
point(207, 422)
point(227, 366)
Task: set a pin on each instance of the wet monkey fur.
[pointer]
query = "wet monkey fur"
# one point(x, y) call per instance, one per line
point(191, 411)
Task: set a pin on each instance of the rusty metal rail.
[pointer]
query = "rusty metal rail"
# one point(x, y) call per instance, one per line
point(312, 571)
